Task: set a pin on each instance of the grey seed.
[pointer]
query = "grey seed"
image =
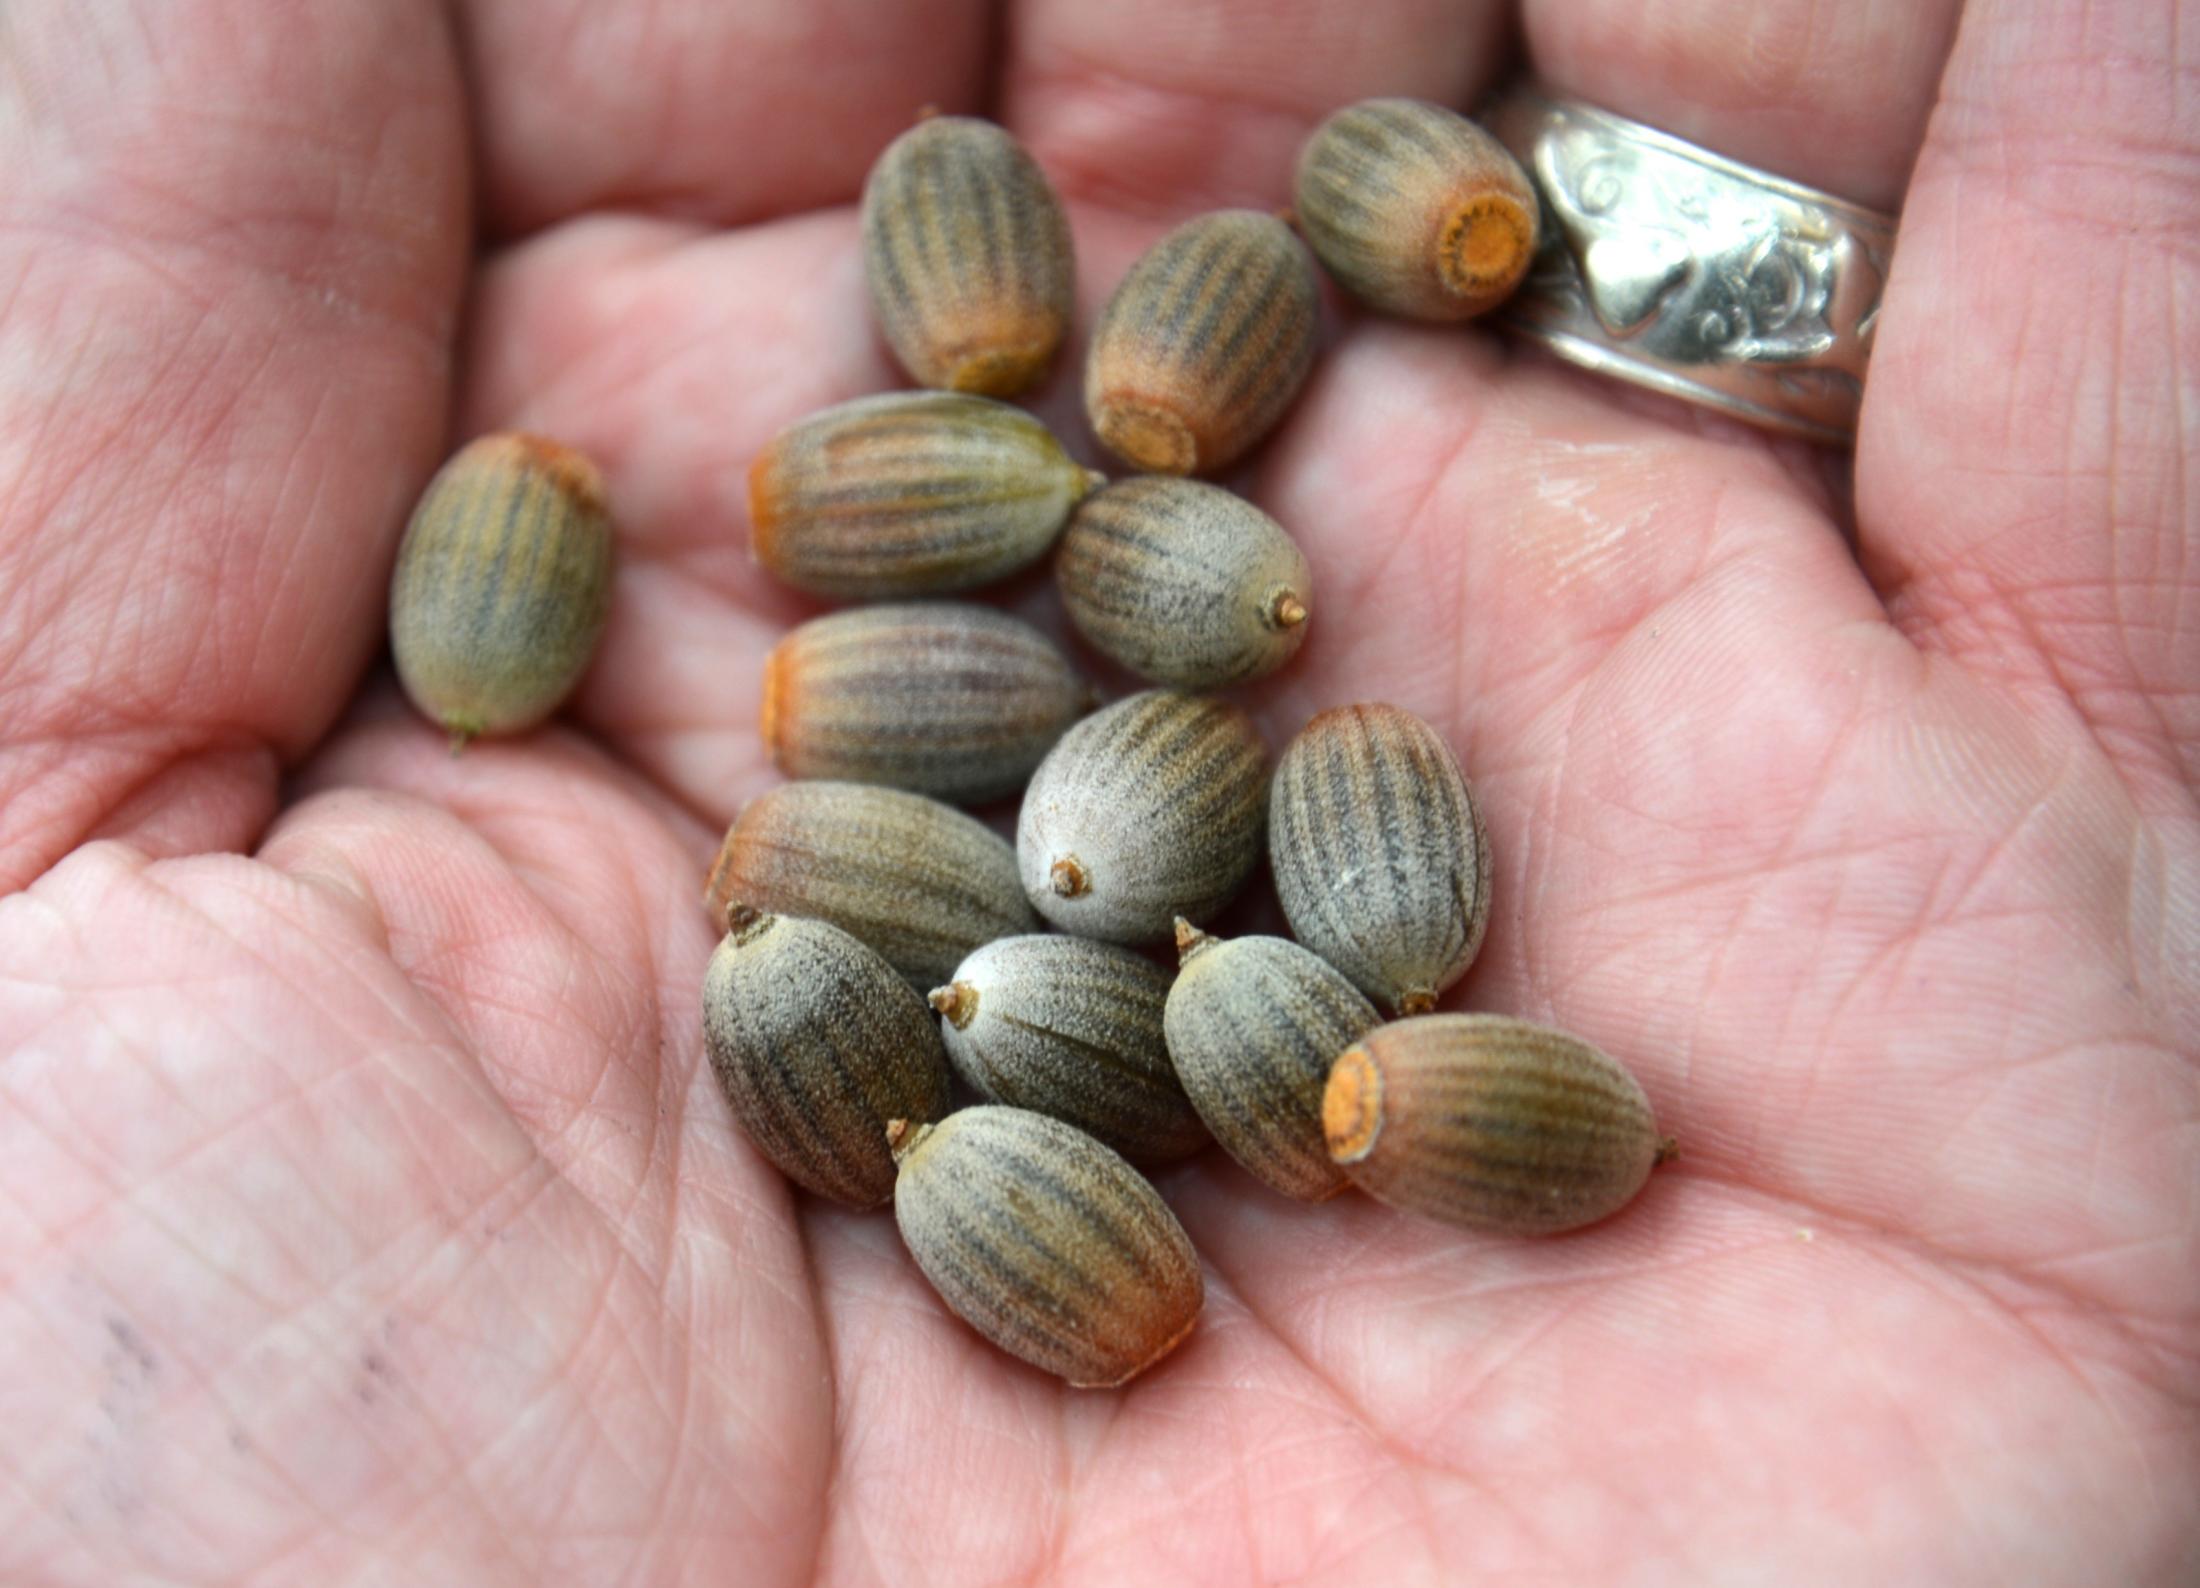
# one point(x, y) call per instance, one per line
point(917, 881)
point(1381, 859)
point(943, 698)
point(1491, 1123)
point(1183, 582)
point(819, 1045)
point(1254, 1024)
point(968, 257)
point(1149, 809)
point(1046, 1243)
point(502, 585)
point(1072, 1028)
point(1204, 345)
point(909, 494)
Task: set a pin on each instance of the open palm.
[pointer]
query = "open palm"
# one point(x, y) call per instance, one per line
point(366, 1211)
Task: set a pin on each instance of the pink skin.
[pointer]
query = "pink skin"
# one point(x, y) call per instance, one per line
point(366, 1211)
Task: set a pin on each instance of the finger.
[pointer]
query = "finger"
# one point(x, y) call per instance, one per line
point(230, 250)
point(2025, 474)
point(1165, 109)
point(700, 109)
point(1832, 95)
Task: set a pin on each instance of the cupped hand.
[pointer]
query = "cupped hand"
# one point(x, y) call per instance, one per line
point(367, 1213)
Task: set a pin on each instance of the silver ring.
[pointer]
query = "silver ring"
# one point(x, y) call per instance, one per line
point(1669, 266)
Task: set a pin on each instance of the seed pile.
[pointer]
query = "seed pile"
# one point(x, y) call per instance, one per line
point(853, 897)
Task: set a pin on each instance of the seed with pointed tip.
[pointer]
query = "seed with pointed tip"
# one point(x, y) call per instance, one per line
point(1203, 346)
point(1491, 1123)
point(1382, 862)
point(1149, 809)
point(1072, 1028)
point(968, 257)
point(818, 1044)
point(1183, 583)
point(1416, 210)
point(945, 698)
point(917, 881)
point(502, 585)
point(1046, 1243)
point(912, 493)
point(1254, 1024)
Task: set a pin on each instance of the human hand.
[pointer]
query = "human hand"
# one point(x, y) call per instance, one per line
point(367, 1212)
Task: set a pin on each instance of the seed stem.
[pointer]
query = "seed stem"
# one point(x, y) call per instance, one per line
point(1069, 877)
point(1190, 940)
point(958, 1001)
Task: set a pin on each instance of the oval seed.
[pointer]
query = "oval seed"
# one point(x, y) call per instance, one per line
point(968, 257)
point(819, 1044)
point(912, 493)
point(1046, 1243)
point(1382, 862)
point(502, 585)
point(1183, 583)
point(1204, 345)
point(1149, 809)
point(1072, 1028)
point(1254, 1024)
point(957, 701)
point(916, 881)
point(1416, 210)
point(1491, 1123)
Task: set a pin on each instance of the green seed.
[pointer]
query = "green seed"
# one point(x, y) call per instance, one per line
point(912, 493)
point(819, 1044)
point(1381, 859)
point(1046, 1243)
point(943, 698)
point(502, 585)
point(1254, 1024)
point(1491, 1123)
point(968, 256)
point(1149, 809)
point(1183, 583)
point(1416, 210)
point(916, 881)
point(1072, 1028)
point(1203, 346)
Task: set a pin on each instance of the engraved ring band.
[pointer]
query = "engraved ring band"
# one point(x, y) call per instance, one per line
point(1677, 269)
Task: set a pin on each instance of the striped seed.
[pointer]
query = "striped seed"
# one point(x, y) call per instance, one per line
point(1254, 1024)
point(918, 882)
point(819, 1044)
point(1183, 582)
point(912, 493)
point(1416, 210)
point(940, 697)
point(1382, 862)
point(1047, 1243)
point(1491, 1123)
point(502, 585)
point(968, 256)
point(1204, 344)
point(1072, 1028)
point(1147, 810)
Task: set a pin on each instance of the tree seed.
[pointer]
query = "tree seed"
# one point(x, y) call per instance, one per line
point(968, 257)
point(1203, 346)
point(1490, 1123)
point(1072, 1028)
point(1149, 809)
point(1046, 1243)
point(1382, 862)
point(502, 585)
point(1183, 583)
point(1254, 1024)
point(819, 1044)
point(943, 698)
point(912, 493)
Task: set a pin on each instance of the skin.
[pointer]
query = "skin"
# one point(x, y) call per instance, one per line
point(367, 1212)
